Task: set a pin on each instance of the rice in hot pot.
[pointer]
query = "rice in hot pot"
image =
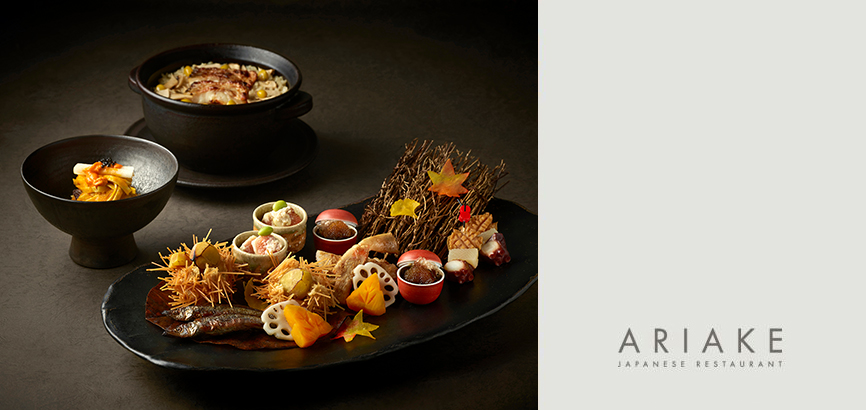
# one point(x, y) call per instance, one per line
point(222, 84)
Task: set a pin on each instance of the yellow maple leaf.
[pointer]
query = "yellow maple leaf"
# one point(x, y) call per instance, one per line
point(404, 207)
point(356, 327)
point(447, 182)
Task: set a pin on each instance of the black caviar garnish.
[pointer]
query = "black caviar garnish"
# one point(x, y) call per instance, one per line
point(107, 162)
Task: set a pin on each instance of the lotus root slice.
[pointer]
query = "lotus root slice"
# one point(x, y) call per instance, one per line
point(275, 321)
point(389, 287)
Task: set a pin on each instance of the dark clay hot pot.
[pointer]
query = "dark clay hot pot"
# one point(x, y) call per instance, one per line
point(218, 139)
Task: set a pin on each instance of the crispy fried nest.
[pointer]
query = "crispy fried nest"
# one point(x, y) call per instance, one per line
point(189, 285)
point(320, 300)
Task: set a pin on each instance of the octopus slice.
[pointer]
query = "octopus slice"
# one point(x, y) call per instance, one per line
point(357, 255)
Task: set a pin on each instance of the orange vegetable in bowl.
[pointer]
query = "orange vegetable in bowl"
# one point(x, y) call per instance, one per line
point(368, 297)
point(307, 327)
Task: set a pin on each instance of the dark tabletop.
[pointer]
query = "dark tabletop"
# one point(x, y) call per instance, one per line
point(381, 73)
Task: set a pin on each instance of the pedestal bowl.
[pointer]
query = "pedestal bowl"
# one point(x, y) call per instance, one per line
point(102, 232)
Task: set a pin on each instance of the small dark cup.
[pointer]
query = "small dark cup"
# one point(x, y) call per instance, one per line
point(102, 232)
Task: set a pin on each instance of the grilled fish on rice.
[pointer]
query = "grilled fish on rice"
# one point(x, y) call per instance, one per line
point(211, 85)
point(221, 84)
point(224, 75)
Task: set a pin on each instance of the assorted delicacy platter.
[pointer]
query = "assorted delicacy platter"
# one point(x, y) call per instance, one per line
point(423, 257)
point(405, 324)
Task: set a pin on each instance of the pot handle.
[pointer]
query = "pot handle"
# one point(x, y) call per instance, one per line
point(133, 83)
point(299, 105)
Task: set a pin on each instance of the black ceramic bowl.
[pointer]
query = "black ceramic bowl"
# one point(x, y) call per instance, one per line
point(102, 232)
point(218, 139)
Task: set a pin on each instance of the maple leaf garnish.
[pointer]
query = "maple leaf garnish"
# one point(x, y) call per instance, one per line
point(447, 182)
point(404, 207)
point(356, 327)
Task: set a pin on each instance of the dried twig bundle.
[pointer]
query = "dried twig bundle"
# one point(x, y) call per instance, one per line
point(437, 214)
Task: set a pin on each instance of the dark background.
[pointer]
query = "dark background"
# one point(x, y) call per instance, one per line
point(381, 74)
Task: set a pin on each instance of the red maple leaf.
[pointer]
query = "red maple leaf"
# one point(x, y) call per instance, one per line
point(447, 182)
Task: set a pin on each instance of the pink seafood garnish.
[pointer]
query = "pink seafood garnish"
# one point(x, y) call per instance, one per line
point(261, 245)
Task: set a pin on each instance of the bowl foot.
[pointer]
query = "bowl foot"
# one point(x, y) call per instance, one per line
point(104, 252)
